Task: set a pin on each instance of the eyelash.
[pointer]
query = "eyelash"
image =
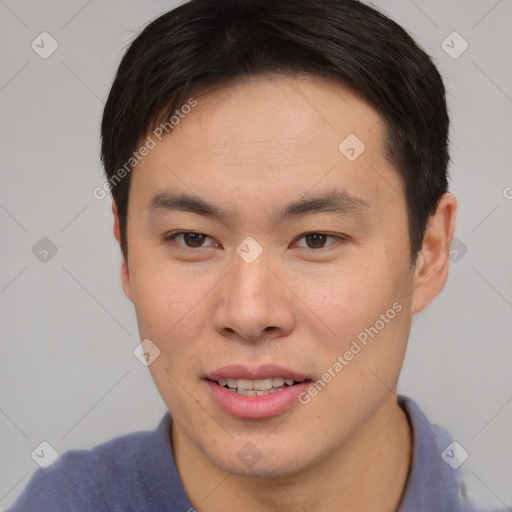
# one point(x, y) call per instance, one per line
point(172, 237)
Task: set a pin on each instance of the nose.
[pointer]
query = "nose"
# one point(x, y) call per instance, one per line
point(255, 302)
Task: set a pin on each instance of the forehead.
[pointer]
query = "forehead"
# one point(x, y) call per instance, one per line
point(294, 112)
point(269, 135)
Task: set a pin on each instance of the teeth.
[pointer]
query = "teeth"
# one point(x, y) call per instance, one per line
point(263, 384)
point(246, 392)
point(277, 382)
point(252, 392)
point(257, 387)
point(245, 384)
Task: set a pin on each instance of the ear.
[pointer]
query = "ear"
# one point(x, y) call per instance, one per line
point(125, 272)
point(431, 271)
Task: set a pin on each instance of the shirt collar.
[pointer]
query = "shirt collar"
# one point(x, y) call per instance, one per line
point(432, 483)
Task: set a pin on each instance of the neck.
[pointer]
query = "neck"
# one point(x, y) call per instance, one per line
point(368, 473)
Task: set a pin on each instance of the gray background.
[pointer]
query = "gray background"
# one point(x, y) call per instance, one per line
point(68, 375)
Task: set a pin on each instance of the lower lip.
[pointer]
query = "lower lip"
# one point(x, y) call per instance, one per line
point(253, 407)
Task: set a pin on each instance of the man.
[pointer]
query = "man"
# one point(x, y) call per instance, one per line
point(279, 181)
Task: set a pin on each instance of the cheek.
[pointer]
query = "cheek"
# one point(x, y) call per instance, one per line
point(344, 299)
point(361, 315)
point(170, 301)
point(171, 312)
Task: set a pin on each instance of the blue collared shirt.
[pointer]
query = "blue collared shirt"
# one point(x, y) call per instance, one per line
point(137, 472)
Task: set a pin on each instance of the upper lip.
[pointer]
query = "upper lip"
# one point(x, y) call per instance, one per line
point(238, 371)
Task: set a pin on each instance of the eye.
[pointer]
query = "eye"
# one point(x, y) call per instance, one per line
point(190, 239)
point(317, 240)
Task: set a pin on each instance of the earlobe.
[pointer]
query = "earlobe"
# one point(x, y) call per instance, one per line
point(431, 271)
point(125, 271)
point(125, 280)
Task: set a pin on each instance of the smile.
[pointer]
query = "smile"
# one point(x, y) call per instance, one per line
point(257, 387)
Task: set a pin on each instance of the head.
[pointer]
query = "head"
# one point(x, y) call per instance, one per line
point(320, 131)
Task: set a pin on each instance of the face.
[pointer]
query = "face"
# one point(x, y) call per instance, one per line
point(264, 245)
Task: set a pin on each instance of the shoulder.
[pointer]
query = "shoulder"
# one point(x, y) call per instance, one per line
point(438, 479)
point(103, 478)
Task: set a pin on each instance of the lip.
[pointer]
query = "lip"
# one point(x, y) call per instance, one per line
point(238, 371)
point(255, 407)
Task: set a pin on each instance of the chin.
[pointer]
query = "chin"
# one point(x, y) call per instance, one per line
point(269, 462)
point(262, 469)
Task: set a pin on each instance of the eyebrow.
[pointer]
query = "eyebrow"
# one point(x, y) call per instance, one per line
point(332, 201)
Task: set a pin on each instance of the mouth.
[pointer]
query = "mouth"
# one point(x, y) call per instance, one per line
point(258, 387)
point(256, 393)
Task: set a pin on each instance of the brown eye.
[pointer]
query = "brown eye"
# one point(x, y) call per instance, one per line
point(315, 240)
point(189, 239)
point(193, 239)
point(318, 240)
